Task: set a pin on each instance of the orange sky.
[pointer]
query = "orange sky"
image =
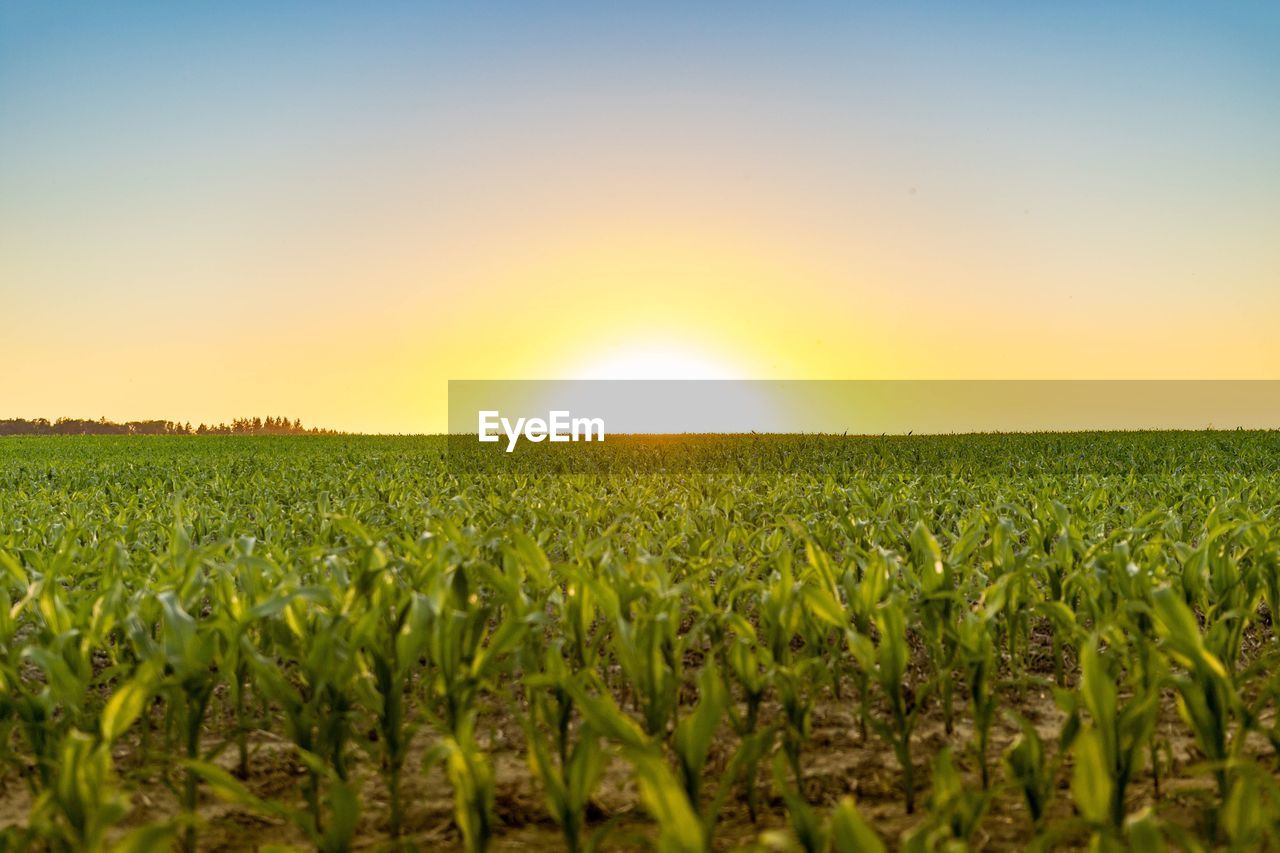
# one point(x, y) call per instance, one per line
point(328, 214)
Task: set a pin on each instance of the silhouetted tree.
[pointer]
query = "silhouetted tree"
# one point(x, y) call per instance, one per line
point(277, 425)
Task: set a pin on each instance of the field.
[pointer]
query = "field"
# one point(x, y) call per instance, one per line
point(928, 643)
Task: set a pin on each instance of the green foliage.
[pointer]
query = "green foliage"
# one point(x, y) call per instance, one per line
point(955, 810)
point(1030, 772)
point(891, 659)
point(472, 781)
point(688, 617)
point(1115, 738)
point(83, 801)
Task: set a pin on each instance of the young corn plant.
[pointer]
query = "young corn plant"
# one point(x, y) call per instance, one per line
point(680, 831)
point(649, 651)
point(1110, 747)
point(890, 667)
point(1207, 699)
point(315, 687)
point(190, 652)
point(1031, 773)
point(843, 831)
point(955, 810)
point(68, 632)
point(749, 671)
point(938, 603)
point(865, 586)
point(335, 837)
point(469, 639)
point(1248, 818)
point(691, 743)
point(242, 594)
point(697, 729)
point(472, 780)
point(663, 795)
point(981, 670)
point(1010, 596)
point(1063, 544)
point(84, 800)
point(392, 647)
point(783, 618)
point(567, 762)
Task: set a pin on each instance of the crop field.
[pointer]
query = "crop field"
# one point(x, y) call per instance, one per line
point(792, 643)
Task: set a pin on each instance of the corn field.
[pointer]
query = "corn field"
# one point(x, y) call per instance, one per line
point(798, 643)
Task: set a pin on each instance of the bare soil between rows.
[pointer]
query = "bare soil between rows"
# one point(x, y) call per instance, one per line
point(837, 762)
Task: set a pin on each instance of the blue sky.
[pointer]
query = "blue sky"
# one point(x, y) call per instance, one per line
point(892, 190)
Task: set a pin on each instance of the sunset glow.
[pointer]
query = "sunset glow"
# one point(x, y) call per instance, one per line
point(366, 204)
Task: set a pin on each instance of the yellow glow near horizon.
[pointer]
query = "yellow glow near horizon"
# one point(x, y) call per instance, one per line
point(656, 360)
point(777, 193)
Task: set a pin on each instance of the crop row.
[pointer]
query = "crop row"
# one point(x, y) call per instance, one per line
point(163, 603)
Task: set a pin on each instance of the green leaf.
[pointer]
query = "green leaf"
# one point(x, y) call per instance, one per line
point(1242, 813)
point(696, 731)
point(226, 787)
point(604, 715)
point(850, 833)
point(344, 816)
point(1091, 779)
point(680, 830)
point(127, 703)
point(822, 604)
point(1142, 831)
point(148, 839)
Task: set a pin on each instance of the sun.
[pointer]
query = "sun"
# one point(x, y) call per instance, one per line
point(655, 360)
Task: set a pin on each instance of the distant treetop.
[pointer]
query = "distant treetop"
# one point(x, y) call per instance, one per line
point(102, 426)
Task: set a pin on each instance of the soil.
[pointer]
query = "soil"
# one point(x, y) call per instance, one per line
point(837, 762)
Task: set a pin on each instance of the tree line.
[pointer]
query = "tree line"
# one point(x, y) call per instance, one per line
point(102, 426)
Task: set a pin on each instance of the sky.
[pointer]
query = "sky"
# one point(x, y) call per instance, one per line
point(328, 211)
